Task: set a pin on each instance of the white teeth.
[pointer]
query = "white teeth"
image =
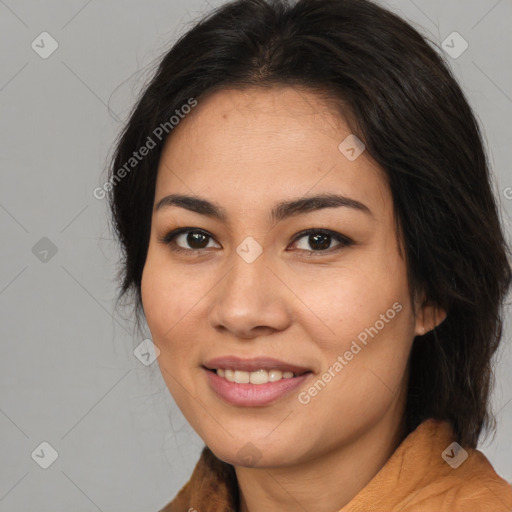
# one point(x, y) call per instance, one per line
point(241, 377)
point(257, 377)
point(275, 375)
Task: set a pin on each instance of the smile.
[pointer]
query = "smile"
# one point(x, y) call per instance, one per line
point(256, 388)
point(258, 377)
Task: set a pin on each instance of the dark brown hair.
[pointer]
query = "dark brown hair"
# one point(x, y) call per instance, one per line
point(400, 98)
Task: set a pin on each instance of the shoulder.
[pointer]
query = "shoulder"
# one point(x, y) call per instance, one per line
point(430, 472)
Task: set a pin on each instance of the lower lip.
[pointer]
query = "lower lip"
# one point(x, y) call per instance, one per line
point(251, 395)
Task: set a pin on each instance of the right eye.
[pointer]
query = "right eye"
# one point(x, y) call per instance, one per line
point(196, 239)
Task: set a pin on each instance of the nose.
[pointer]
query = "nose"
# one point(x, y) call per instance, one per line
point(250, 300)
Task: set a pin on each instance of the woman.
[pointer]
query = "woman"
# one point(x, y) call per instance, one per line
point(307, 221)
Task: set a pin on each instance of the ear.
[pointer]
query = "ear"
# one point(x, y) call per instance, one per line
point(428, 317)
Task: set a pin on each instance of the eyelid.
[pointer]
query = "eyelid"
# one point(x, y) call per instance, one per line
point(343, 240)
point(170, 237)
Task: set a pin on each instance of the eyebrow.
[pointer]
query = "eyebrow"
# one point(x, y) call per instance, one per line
point(279, 212)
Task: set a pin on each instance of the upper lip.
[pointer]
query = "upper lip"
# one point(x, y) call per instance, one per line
point(254, 364)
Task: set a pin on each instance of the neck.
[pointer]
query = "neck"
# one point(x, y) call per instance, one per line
point(329, 481)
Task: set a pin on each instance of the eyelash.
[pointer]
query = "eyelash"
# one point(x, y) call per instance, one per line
point(169, 239)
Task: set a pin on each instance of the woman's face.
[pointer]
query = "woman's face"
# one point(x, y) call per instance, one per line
point(247, 285)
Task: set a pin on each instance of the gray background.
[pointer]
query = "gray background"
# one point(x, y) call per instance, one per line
point(67, 371)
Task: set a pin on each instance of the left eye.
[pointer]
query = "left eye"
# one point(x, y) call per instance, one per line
point(318, 239)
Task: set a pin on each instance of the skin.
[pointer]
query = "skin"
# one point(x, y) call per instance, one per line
point(246, 150)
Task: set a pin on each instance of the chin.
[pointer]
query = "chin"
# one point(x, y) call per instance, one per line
point(251, 454)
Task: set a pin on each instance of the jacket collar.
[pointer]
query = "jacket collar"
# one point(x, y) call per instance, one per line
point(419, 476)
point(212, 488)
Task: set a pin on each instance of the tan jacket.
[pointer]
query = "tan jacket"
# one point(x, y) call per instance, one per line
point(416, 478)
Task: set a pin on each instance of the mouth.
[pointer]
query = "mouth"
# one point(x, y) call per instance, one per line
point(258, 377)
point(254, 365)
point(253, 382)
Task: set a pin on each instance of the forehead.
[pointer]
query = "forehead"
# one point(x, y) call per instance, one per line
point(253, 146)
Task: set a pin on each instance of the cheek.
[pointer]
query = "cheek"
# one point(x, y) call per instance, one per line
point(367, 320)
point(365, 370)
point(343, 301)
point(168, 296)
point(165, 308)
point(157, 300)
